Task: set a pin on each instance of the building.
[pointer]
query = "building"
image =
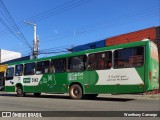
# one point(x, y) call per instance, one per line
point(6, 55)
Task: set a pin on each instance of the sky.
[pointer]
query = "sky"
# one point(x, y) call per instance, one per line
point(63, 24)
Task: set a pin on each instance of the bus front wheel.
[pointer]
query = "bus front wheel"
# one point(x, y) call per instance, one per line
point(20, 92)
point(75, 91)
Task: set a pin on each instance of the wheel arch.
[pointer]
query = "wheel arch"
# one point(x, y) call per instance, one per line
point(19, 85)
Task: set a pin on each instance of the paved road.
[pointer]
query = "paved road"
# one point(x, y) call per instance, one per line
point(47, 102)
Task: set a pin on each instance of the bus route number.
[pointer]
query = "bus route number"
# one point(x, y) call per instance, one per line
point(34, 79)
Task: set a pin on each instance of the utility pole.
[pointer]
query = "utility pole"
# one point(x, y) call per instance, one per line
point(35, 49)
point(35, 44)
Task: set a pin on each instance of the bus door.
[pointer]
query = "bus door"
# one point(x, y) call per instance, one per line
point(9, 81)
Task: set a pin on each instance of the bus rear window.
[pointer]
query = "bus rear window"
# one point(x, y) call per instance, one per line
point(129, 57)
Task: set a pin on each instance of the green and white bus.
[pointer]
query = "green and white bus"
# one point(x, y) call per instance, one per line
point(120, 69)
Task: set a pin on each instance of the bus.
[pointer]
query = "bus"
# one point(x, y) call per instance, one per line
point(120, 69)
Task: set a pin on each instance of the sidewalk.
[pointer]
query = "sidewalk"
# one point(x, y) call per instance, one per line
point(133, 96)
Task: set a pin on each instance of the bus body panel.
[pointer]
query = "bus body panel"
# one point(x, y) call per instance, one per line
point(153, 67)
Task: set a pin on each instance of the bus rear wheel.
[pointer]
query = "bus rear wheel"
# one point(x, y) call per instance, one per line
point(20, 92)
point(75, 91)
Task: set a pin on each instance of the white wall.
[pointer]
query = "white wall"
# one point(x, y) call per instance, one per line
point(6, 55)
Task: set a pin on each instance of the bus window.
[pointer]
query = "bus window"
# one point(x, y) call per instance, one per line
point(9, 73)
point(129, 57)
point(19, 70)
point(108, 59)
point(100, 61)
point(29, 69)
point(58, 66)
point(92, 62)
point(77, 63)
point(42, 67)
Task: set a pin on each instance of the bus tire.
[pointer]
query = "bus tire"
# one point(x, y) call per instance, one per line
point(20, 92)
point(37, 94)
point(75, 91)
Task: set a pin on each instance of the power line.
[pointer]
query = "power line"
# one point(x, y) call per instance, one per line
point(51, 10)
point(53, 52)
point(2, 21)
point(59, 49)
point(57, 10)
point(115, 21)
point(60, 9)
point(13, 26)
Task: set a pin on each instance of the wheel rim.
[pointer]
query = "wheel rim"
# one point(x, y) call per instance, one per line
point(19, 91)
point(76, 92)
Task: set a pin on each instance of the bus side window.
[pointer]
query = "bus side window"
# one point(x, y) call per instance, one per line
point(100, 61)
point(77, 63)
point(58, 66)
point(42, 67)
point(129, 57)
point(19, 70)
point(92, 62)
point(108, 59)
point(29, 69)
point(39, 68)
point(45, 66)
point(9, 73)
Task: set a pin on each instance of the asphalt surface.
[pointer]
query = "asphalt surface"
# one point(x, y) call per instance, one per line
point(55, 102)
